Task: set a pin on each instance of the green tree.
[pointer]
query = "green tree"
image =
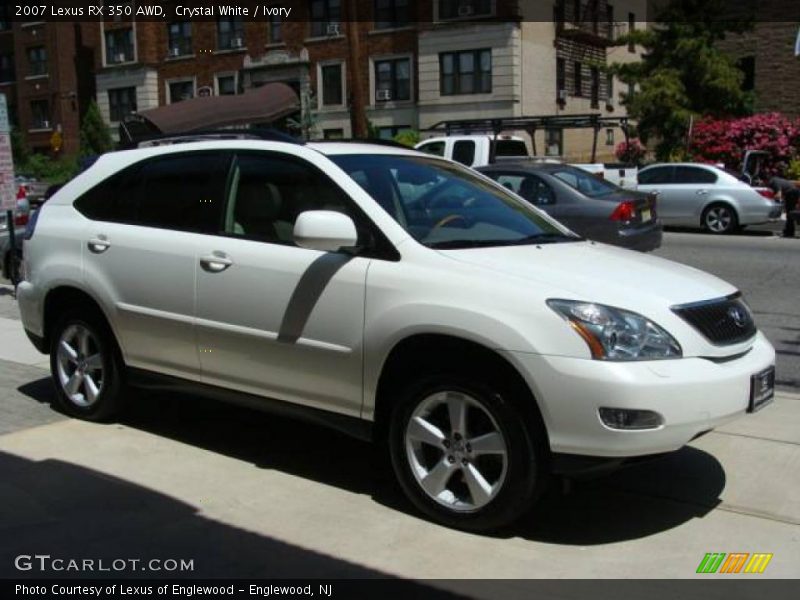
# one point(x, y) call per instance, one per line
point(95, 137)
point(682, 74)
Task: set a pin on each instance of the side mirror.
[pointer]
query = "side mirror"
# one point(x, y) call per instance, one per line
point(325, 230)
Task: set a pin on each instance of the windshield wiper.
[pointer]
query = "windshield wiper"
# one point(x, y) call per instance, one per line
point(538, 238)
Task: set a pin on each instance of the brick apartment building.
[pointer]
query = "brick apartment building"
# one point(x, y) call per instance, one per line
point(772, 71)
point(410, 64)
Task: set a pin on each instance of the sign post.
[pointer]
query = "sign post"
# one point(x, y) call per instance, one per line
point(8, 193)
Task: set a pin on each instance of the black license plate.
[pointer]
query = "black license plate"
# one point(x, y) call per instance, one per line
point(762, 389)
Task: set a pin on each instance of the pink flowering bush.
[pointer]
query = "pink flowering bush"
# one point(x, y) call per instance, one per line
point(725, 140)
point(631, 151)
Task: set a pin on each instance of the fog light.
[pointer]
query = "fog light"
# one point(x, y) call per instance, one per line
point(624, 418)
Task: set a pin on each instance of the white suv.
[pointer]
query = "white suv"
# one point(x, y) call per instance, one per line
point(390, 294)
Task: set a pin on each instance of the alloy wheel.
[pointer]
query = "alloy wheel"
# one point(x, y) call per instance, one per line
point(457, 453)
point(719, 219)
point(80, 365)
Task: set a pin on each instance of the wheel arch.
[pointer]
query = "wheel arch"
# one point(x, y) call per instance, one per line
point(413, 354)
point(65, 297)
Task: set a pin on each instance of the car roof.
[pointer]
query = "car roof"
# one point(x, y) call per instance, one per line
point(524, 165)
point(337, 148)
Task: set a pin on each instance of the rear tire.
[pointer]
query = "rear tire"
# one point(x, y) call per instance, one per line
point(720, 219)
point(463, 453)
point(86, 366)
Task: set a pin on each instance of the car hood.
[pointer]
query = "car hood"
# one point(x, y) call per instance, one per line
point(598, 272)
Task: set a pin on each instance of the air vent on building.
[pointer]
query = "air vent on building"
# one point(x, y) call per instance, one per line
point(383, 95)
point(332, 29)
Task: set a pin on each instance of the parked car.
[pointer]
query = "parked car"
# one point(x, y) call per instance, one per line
point(480, 150)
point(392, 295)
point(699, 195)
point(12, 254)
point(591, 207)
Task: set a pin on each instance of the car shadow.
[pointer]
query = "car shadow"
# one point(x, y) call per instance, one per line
point(69, 512)
point(748, 232)
point(632, 503)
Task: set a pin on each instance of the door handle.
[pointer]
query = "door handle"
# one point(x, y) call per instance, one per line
point(99, 244)
point(215, 263)
point(702, 192)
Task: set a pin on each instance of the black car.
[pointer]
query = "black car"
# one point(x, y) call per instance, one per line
point(590, 206)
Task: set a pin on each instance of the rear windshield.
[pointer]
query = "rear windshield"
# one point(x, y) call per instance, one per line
point(585, 182)
point(510, 148)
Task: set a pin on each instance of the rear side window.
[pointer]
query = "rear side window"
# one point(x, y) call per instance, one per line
point(510, 148)
point(656, 175)
point(183, 192)
point(435, 148)
point(464, 152)
point(694, 175)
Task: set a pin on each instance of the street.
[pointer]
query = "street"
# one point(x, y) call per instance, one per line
point(246, 494)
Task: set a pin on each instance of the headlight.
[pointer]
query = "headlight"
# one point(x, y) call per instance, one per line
point(616, 334)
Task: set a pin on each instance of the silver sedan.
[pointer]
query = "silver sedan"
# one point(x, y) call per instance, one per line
point(692, 195)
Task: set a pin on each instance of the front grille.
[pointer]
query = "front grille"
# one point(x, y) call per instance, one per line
point(722, 322)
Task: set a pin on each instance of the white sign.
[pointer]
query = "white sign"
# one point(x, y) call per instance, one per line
point(8, 191)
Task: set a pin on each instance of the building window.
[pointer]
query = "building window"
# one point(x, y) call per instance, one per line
point(230, 34)
point(332, 85)
point(610, 89)
point(554, 142)
point(226, 85)
point(595, 97)
point(40, 114)
point(631, 91)
point(119, 46)
point(578, 75)
point(610, 20)
point(5, 24)
point(391, 14)
point(274, 30)
point(389, 133)
point(333, 134)
point(7, 71)
point(37, 60)
point(464, 9)
point(747, 65)
point(392, 79)
point(561, 78)
point(631, 29)
point(324, 13)
point(180, 90)
point(467, 72)
point(180, 38)
point(609, 137)
point(121, 103)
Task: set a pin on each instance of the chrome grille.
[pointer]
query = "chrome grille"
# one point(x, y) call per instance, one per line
point(722, 322)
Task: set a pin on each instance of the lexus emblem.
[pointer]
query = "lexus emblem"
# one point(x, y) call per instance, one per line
point(738, 315)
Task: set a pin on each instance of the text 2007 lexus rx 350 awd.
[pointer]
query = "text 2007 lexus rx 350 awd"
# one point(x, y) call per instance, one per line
point(393, 295)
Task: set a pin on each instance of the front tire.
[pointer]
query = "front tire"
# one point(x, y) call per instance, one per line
point(464, 454)
point(720, 219)
point(86, 367)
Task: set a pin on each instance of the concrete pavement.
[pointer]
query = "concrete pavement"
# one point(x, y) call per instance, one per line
point(247, 494)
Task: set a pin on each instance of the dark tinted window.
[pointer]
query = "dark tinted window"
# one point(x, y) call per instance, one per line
point(510, 148)
point(655, 175)
point(268, 192)
point(435, 148)
point(530, 187)
point(694, 175)
point(182, 192)
point(464, 152)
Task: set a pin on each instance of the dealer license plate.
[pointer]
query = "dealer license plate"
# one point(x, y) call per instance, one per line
point(762, 389)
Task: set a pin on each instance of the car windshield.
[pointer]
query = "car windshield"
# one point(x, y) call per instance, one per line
point(445, 205)
point(583, 181)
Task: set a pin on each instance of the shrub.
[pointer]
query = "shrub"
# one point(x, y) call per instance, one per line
point(725, 141)
point(408, 138)
point(631, 151)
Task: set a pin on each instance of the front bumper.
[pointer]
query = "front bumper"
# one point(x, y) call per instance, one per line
point(693, 395)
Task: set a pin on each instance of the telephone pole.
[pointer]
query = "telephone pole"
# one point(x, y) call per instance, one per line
point(358, 115)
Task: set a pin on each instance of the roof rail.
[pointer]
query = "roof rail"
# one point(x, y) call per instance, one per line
point(374, 141)
point(264, 134)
